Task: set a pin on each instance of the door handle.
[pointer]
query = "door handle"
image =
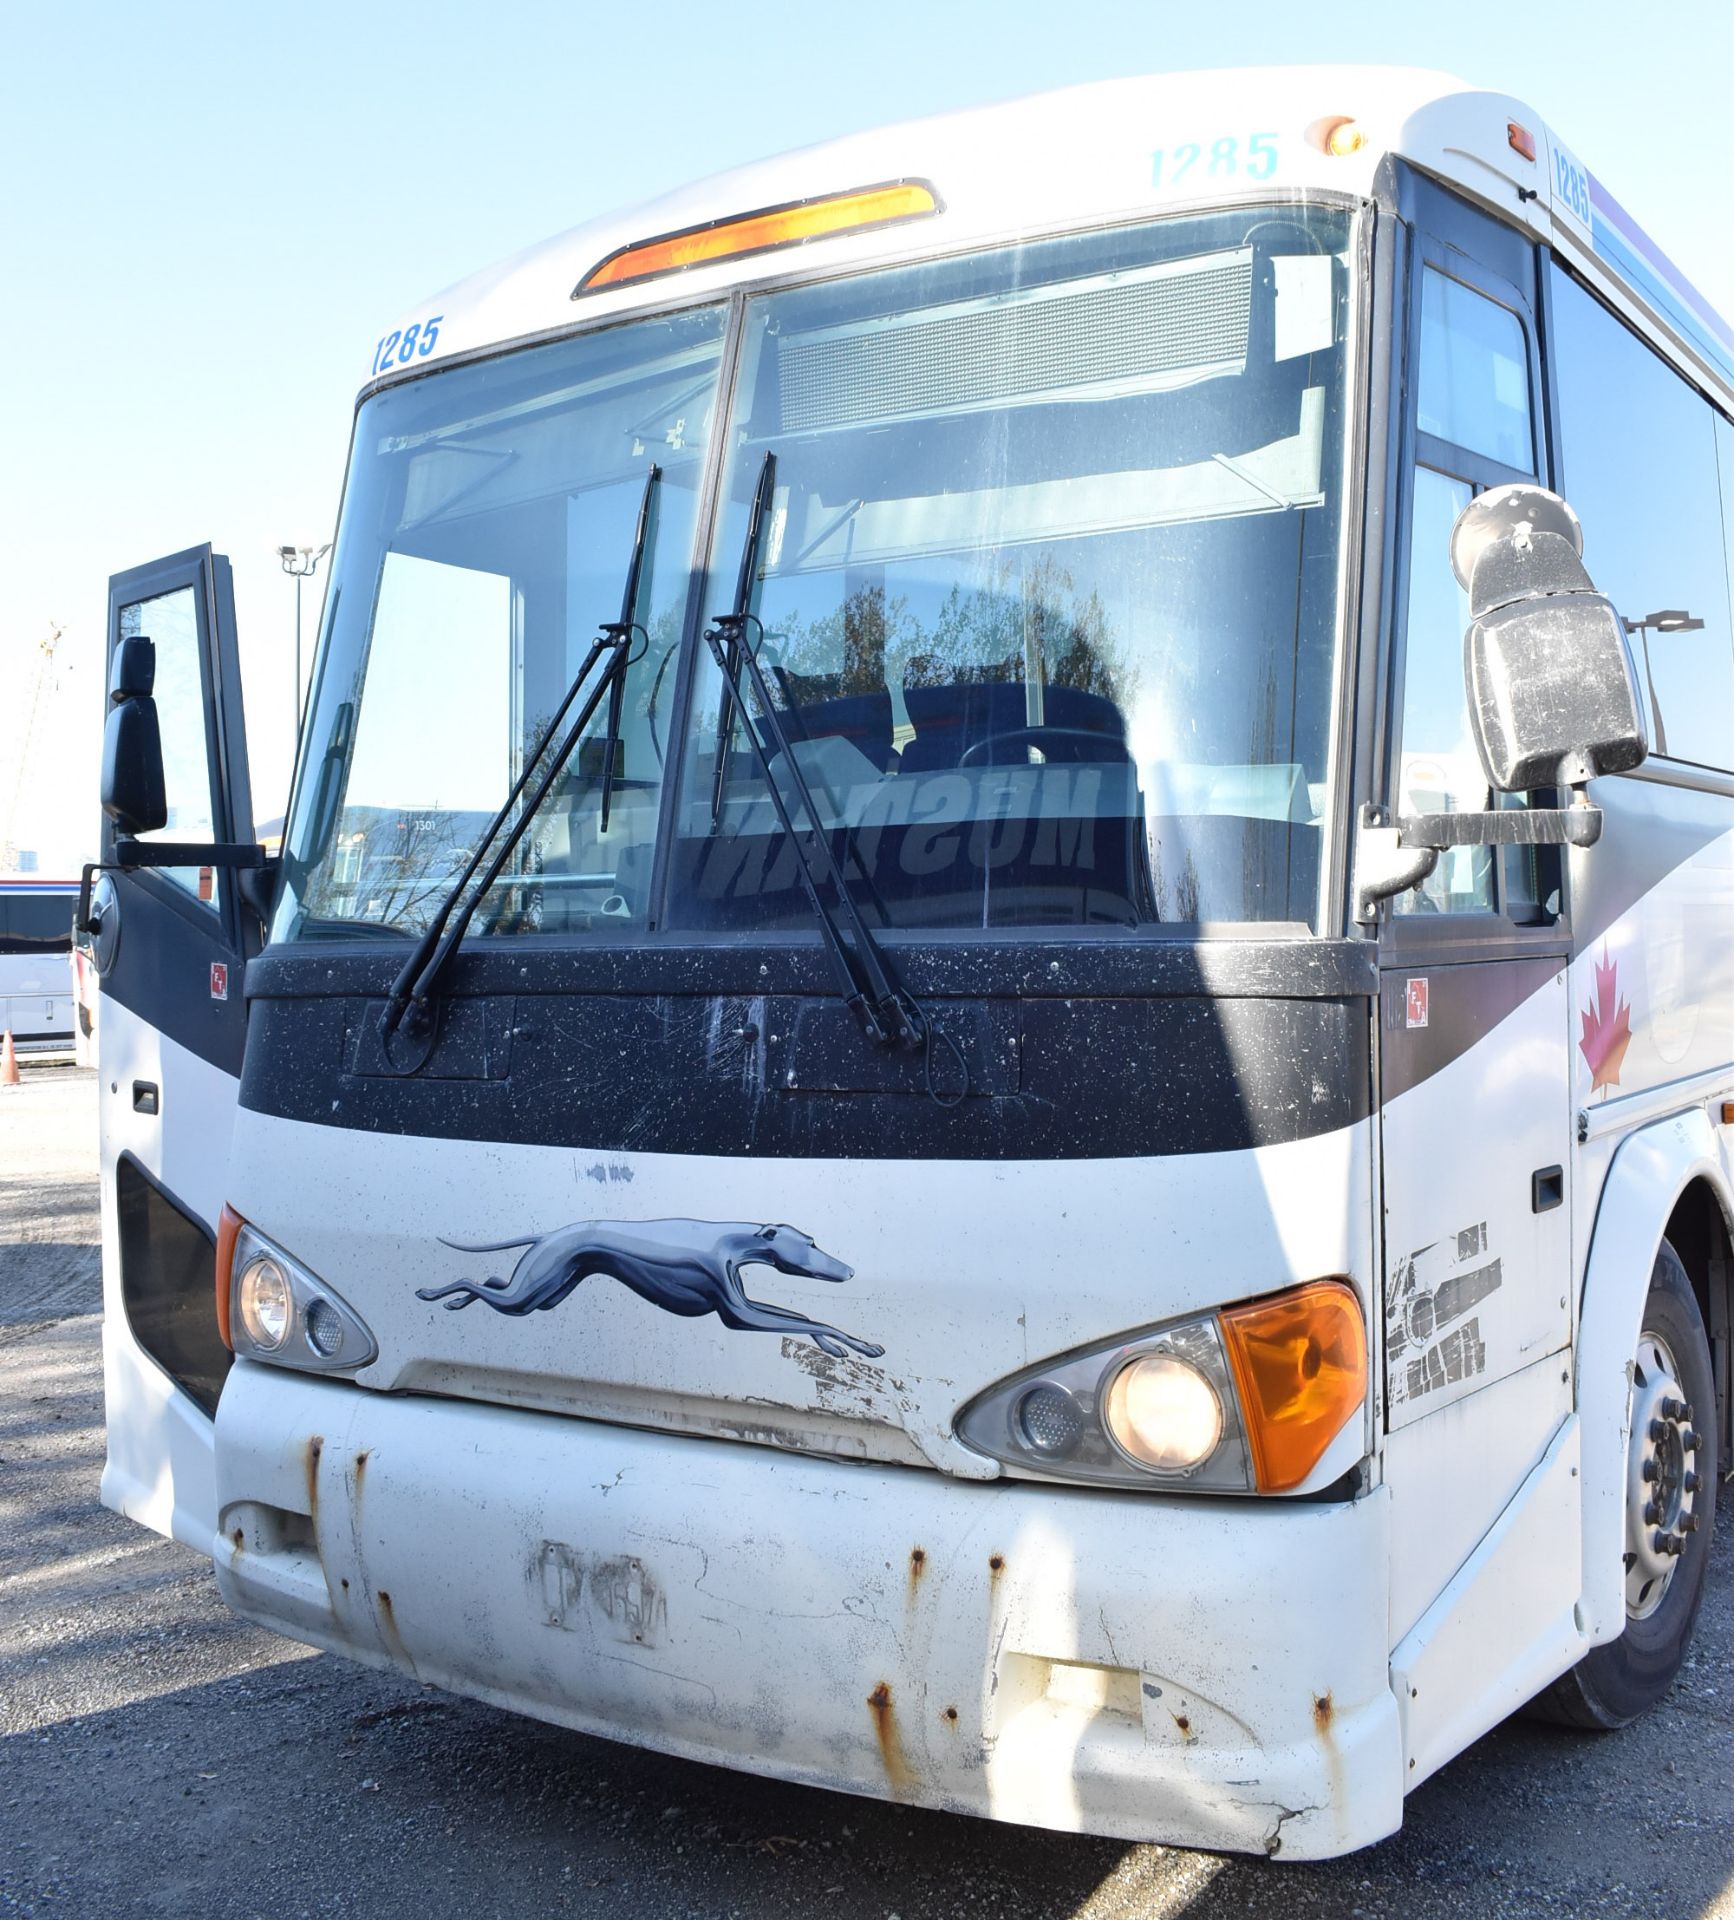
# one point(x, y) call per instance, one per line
point(1546, 1189)
point(144, 1096)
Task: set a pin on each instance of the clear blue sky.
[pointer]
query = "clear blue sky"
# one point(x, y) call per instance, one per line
point(210, 212)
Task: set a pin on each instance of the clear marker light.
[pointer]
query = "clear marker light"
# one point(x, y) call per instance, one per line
point(1162, 1412)
point(265, 1303)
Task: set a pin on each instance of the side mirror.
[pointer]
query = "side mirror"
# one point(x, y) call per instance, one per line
point(1553, 698)
point(133, 794)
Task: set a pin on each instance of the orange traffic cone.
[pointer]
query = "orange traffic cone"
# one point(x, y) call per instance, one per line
point(8, 1061)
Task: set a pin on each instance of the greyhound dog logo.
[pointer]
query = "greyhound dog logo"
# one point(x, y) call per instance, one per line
point(689, 1267)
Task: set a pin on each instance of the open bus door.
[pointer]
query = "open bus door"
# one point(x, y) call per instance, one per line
point(170, 943)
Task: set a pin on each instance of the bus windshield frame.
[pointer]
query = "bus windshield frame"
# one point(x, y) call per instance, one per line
point(686, 858)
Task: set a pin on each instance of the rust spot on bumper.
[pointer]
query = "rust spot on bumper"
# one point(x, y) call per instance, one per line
point(1322, 1712)
point(310, 1462)
point(917, 1567)
point(996, 1564)
point(899, 1774)
point(389, 1634)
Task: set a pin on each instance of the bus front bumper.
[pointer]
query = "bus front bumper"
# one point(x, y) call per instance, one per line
point(1203, 1673)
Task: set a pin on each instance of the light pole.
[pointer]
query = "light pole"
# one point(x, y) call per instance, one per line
point(1668, 620)
point(300, 563)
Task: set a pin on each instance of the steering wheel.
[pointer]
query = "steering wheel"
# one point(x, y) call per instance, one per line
point(1055, 743)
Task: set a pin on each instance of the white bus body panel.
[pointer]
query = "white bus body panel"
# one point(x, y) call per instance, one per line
point(1204, 1671)
point(964, 1271)
point(161, 1467)
point(1112, 150)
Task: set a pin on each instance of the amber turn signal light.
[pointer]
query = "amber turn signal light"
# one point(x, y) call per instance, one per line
point(785, 226)
point(1300, 1367)
point(229, 1225)
point(1338, 135)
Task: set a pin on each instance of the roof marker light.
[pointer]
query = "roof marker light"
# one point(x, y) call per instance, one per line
point(1339, 136)
point(789, 225)
point(1520, 139)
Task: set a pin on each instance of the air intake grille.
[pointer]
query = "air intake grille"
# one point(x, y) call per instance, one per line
point(1130, 330)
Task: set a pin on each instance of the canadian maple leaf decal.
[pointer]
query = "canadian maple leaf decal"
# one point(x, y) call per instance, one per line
point(1607, 1027)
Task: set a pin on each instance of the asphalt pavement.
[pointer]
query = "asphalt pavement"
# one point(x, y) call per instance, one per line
point(159, 1757)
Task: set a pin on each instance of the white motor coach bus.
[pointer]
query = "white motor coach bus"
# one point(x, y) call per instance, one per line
point(993, 1057)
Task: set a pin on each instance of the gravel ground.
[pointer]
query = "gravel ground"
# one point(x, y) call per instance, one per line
point(158, 1757)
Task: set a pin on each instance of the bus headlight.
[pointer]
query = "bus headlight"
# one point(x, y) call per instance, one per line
point(1261, 1397)
point(270, 1307)
point(262, 1294)
point(1161, 1411)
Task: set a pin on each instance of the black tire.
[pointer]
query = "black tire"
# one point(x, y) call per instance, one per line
point(1613, 1684)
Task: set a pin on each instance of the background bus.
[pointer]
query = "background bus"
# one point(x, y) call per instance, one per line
point(36, 1000)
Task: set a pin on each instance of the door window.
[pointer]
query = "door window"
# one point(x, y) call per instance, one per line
point(171, 621)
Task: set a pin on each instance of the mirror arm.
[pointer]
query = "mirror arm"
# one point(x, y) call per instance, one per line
point(1384, 864)
point(130, 854)
point(257, 886)
point(243, 855)
point(1574, 826)
point(1390, 859)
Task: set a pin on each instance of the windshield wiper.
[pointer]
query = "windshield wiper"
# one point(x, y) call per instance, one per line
point(888, 1013)
point(417, 983)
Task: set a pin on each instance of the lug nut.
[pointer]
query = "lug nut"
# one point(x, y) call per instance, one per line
point(1659, 1541)
point(1689, 1440)
point(1670, 1408)
point(1649, 1469)
point(1652, 1513)
point(1690, 1483)
point(1658, 1430)
point(1688, 1523)
point(1676, 1543)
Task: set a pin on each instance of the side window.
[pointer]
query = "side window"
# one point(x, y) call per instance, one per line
point(1473, 404)
point(171, 620)
point(1474, 388)
point(1641, 468)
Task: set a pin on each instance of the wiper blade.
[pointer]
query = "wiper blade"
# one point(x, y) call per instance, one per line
point(888, 1013)
point(430, 960)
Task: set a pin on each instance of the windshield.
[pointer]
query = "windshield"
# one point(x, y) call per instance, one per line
point(1046, 593)
point(1048, 589)
point(487, 533)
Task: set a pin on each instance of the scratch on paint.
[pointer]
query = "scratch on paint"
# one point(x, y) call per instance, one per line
point(1431, 1290)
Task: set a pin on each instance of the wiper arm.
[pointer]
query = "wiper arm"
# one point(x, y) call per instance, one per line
point(888, 1013)
point(731, 627)
point(430, 959)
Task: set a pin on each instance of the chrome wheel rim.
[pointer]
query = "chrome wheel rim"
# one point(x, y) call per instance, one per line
point(1661, 1477)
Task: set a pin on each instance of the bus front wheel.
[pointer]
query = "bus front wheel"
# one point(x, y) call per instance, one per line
point(1670, 1498)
